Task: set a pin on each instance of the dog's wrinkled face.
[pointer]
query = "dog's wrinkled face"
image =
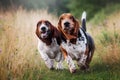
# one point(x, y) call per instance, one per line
point(67, 23)
point(44, 28)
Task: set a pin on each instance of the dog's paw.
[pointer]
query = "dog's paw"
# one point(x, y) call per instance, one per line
point(50, 64)
point(59, 66)
point(72, 70)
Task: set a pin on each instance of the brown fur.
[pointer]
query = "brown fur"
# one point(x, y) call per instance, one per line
point(54, 32)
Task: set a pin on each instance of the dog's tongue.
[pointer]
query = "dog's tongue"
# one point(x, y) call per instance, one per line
point(44, 32)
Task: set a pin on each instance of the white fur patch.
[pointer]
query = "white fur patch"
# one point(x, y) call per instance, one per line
point(51, 52)
point(83, 16)
point(59, 65)
point(43, 25)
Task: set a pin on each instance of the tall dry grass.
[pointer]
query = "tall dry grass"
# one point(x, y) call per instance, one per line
point(107, 39)
point(18, 42)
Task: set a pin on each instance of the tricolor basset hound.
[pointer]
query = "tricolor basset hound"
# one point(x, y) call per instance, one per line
point(77, 44)
point(49, 44)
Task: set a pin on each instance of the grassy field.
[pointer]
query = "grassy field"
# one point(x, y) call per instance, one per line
point(20, 60)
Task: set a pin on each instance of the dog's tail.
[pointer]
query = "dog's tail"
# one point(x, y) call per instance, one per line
point(83, 20)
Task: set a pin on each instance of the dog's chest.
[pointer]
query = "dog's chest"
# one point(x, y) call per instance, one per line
point(75, 50)
point(51, 50)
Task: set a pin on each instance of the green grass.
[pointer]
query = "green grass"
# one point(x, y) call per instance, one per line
point(99, 71)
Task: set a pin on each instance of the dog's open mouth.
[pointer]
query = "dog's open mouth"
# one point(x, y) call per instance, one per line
point(44, 34)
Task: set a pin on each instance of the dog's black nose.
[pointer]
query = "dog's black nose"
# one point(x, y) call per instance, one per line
point(43, 29)
point(66, 24)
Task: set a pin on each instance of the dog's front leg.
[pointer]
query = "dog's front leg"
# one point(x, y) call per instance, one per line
point(59, 59)
point(68, 60)
point(49, 62)
point(59, 65)
point(70, 64)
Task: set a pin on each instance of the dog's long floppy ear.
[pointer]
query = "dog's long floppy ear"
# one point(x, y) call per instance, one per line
point(37, 29)
point(77, 25)
point(50, 24)
point(59, 24)
point(55, 33)
point(52, 29)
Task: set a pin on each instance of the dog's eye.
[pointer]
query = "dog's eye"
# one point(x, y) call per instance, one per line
point(61, 18)
point(39, 23)
point(47, 23)
point(71, 17)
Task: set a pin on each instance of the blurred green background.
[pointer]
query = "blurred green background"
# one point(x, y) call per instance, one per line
point(76, 7)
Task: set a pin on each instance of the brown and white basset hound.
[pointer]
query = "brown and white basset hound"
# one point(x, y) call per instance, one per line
point(77, 44)
point(49, 44)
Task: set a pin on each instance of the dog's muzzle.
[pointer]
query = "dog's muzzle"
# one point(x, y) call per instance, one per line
point(66, 26)
point(43, 29)
point(44, 32)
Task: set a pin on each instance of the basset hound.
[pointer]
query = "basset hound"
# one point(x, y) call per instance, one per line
point(77, 44)
point(49, 44)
